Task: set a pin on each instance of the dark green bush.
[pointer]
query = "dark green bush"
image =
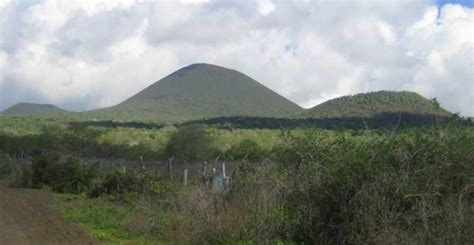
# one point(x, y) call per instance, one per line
point(246, 150)
point(61, 174)
point(45, 169)
point(118, 182)
point(24, 177)
point(74, 178)
point(190, 143)
point(6, 168)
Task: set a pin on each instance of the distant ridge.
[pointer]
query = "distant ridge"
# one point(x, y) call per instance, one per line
point(204, 91)
point(201, 91)
point(35, 110)
point(376, 103)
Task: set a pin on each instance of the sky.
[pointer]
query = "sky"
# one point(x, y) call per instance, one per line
point(83, 55)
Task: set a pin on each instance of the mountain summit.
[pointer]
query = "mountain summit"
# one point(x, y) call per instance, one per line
point(35, 110)
point(202, 91)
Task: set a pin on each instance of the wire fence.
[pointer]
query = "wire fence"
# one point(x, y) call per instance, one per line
point(217, 173)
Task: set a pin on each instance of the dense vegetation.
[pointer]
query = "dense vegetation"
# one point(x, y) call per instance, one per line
point(302, 185)
point(376, 103)
point(379, 121)
point(23, 137)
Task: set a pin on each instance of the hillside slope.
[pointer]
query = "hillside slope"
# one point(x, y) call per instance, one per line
point(376, 103)
point(35, 110)
point(201, 91)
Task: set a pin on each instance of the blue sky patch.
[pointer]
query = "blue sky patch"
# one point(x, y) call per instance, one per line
point(468, 3)
point(292, 47)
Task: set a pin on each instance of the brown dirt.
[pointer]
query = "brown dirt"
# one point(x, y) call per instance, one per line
point(27, 217)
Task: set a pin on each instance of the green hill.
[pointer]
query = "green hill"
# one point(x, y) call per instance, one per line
point(376, 103)
point(201, 91)
point(35, 110)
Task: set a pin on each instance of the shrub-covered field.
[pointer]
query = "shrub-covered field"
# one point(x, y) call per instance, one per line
point(310, 186)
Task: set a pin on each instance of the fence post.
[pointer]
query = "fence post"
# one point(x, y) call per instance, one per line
point(143, 164)
point(185, 177)
point(223, 170)
point(225, 179)
point(204, 169)
point(170, 167)
point(214, 182)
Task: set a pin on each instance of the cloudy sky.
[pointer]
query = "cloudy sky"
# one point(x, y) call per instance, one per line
point(88, 54)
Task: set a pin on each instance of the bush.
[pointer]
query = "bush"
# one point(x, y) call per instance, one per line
point(62, 175)
point(45, 169)
point(190, 143)
point(24, 178)
point(6, 168)
point(379, 188)
point(121, 183)
point(246, 150)
point(74, 178)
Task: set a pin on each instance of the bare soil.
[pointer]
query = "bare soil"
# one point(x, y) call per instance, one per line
point(28, 217)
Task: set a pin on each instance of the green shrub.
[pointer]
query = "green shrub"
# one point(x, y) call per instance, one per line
point(6, 168)
point(118, 182)
point(24, 177)
point(45, 169)
point(190, 143)
point(62, 175)
point(246, 150)
point(379, 187)
point(74, 178)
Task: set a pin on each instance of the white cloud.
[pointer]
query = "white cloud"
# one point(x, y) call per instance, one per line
point(89, 54)
point(193, 1)
point(265, 7)
point(4, 3)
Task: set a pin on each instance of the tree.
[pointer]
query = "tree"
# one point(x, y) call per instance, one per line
point(190, 143)
point(247, 150)
point(435, 103)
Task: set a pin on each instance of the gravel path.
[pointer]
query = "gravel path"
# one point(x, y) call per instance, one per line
point(26, 217)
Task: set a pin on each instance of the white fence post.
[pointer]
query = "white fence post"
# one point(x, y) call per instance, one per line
point(225, 179)
point(143, 163)
point(185, 177)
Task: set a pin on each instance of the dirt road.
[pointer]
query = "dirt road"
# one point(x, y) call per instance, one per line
point(27, 217)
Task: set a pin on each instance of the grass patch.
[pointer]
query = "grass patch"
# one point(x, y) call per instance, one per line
point(102, 219)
